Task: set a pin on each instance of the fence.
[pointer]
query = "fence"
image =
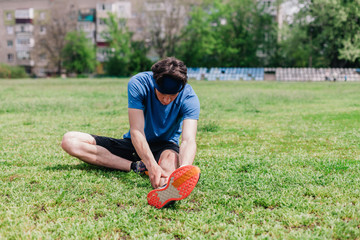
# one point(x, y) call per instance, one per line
point(226, 74)
point(279, 74)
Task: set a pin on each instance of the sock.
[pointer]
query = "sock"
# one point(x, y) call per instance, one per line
point(133, 166)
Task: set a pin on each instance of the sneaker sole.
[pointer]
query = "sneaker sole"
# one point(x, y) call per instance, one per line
point(180, 184)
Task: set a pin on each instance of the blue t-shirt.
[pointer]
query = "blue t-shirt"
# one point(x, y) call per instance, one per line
point(162, 122)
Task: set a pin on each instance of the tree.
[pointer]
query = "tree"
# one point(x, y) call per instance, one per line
point(78, 53)
point(351, 49)
point(139, 61)
point(294, 49)
point(324, 34)
point(228, 34)
point(199, 43)
point(51, 43)
point(119, 51)
point(248, 35)
point(163, 22)
point(125, 56)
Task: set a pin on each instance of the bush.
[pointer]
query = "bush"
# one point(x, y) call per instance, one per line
point(7, 71)
point(79, 53)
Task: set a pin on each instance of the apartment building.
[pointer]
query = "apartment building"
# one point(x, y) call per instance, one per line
point(23, 22)
point(17, 40)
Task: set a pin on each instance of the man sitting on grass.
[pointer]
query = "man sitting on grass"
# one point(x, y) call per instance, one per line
point(161, 107)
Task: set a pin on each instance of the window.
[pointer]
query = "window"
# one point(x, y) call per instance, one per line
point(42, 56)
point(42, 30)
point(10, 30)
point(85, 26)
point(159, 6)
point(104, 7)
point(22, 28)
point(102, 21)
point(103, 51)
point(25, 41)
point(8, 16)
point(42, 72)
point(42, 15)
point(10, 57)
point(122, 23)
point(10, 43)
point(124, 11)
point(24, 55)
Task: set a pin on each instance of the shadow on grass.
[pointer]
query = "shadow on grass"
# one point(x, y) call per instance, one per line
point(128, 178)
point(124, 177)
point(81, 166)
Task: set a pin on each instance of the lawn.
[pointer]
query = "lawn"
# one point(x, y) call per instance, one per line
point(278, 160)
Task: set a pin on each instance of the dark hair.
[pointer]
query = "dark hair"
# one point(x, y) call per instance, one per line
point(172, 68)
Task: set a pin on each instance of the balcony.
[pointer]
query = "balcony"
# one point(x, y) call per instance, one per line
point(102, 9)
point(102, 53)
point(101, 37)
point(24, 58)
point(24, 28)
point(23, 16)
point(86, 15)
point(24, 44)
point(25, 62)
point(86, 26)
point(123, 9)
point(155, 6)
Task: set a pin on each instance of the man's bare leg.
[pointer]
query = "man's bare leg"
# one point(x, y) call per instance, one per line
point(169, 161)
point(83, 146)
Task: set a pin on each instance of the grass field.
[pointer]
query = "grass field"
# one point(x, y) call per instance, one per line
point(278, 160)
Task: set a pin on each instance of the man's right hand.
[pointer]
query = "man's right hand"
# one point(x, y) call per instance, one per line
point(137, 123)
point(155, 175)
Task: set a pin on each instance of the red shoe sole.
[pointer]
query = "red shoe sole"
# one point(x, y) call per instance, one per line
point(180, 184)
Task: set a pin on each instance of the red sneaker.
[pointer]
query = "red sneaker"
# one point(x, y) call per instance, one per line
point(180, 184)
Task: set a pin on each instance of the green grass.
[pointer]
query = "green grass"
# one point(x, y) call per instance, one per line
point(278, 160)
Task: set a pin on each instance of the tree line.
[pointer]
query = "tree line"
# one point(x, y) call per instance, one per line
point(216, 33)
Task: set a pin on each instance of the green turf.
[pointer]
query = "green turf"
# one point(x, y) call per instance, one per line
point(278, 160)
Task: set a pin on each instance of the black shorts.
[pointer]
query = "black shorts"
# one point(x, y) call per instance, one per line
point(125, 149)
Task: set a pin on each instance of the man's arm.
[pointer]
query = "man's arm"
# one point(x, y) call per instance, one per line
point(188, 142)
point(138, 139)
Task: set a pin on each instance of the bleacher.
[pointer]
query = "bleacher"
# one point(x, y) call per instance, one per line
point(317, 74)
point(224, 74)
point(196, 73)
point(281, 74)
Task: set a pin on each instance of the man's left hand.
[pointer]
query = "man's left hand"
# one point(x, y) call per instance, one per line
point(155, 175)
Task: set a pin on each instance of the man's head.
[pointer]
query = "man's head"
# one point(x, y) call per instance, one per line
point(170, 75)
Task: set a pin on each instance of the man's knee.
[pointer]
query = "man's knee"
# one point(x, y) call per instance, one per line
point(69, 142)
point(74, 143)
point(169, 157)
point(169, 154)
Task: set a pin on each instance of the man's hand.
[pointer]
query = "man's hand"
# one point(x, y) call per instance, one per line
point(137, 122)
point(155, 175)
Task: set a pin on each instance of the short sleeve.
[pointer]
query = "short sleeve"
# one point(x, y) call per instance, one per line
point(136, 93)
point(191, 107)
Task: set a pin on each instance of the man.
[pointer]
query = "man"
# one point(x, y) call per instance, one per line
point(161, 107)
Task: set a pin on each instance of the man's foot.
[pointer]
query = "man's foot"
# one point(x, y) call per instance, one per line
point(139, 167)
point(180, 184)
